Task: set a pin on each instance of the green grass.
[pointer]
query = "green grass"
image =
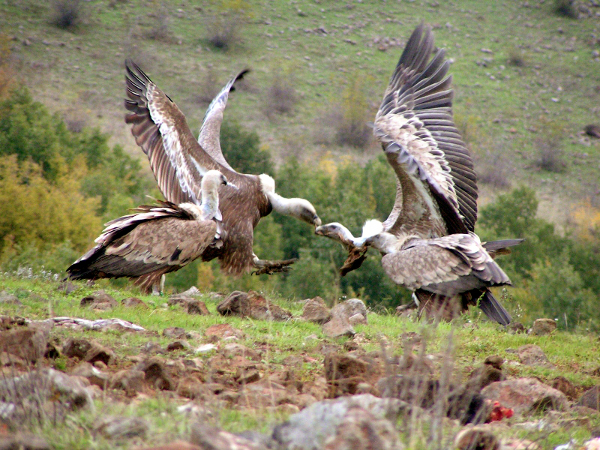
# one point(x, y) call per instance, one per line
point(471, 339)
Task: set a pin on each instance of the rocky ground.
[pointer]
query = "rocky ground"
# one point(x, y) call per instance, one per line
point(357, 398)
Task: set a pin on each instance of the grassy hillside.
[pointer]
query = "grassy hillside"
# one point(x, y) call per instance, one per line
point(525, 77)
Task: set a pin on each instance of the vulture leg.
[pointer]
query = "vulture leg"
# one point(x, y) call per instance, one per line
point(268, 267)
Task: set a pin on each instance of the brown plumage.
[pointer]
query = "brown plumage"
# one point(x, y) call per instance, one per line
point(436, 195)
point(155, 240)
point(178, 161)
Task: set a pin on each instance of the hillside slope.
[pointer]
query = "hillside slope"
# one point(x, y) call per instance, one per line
point(526, 78)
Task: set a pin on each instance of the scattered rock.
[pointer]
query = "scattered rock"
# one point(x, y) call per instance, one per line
point(176, 445)
point(174, 333)
point(48, 384)
point(315, 310)
point(152, 348)
point(564, 386)
point(311, 427)
point(223, 331)
point(520, 444)
point(361, 430)
point(134, 302)
point(197, 307)
point(156, 375)
point(98, 325)
point(352, 307)
point(533, 355)
point(208, 438)
point(130, 381)
point(264, 394)
point(206, 348)
point(515, 328)
point(23, 441)
point(88, 351)
point(25, 343)
point(67, 287)
point(591, 398)
point(593, 130)
point(543, 327)
point(122, 427)
point(476, 438)
point(192, 305)
point(357, 319)
point(178, 345)
point(525, 395)
point(193, 388)
point(252, 305)
point(488, 373)
point(9, 299)
point(232, 349)
point(92, 374)
point(593, 444)
point(98, 300)
point(345, 372)
point(339, 325)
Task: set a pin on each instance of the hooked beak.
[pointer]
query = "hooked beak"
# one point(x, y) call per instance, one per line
point(319, 230)
point(317, 222)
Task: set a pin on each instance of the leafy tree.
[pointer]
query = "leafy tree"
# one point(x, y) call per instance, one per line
point(242, 150)
point(36, 211)
point(30, 131)
point(513, 215)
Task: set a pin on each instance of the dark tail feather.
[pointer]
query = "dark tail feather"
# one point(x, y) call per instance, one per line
point(501, 247)
point(493, 309)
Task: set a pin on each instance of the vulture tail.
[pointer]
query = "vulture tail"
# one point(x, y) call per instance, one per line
point(493, 309)
point(501, 247)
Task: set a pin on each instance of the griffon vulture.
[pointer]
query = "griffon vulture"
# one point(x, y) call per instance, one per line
point(157, 239)
point(178, 161)
point(428, 239)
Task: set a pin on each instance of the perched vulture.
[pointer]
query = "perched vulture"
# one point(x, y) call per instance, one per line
point(428, 239)
point(178, 162)
point(156, 239)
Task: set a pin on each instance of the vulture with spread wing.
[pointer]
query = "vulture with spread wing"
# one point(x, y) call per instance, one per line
point(428, 240)
point(157, 239)
point(178, 162)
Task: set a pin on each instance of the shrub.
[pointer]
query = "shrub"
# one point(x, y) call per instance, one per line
point(351, 116)
point(516, 58)
point(549, 155)
point(567, 8)
point(66, 13)
point(242, 150)
point(281, 96)
point(224, 26)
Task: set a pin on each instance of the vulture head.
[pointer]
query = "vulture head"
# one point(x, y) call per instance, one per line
point(337, 232)
point(384, 242)
point(296, 207)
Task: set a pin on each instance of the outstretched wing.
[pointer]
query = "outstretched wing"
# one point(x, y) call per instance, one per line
point(437, 192)
point(210, 131)
point(161, 130)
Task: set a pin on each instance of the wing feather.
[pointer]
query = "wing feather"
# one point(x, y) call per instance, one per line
point(210, 131)
point(161, 130)
point(415, 123)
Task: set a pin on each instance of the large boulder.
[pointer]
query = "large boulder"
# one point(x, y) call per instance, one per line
point(312, 427)
point(25, 343)
point(252, 305)
point(525, 395)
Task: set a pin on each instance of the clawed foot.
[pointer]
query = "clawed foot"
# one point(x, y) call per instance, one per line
point(271, 267)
